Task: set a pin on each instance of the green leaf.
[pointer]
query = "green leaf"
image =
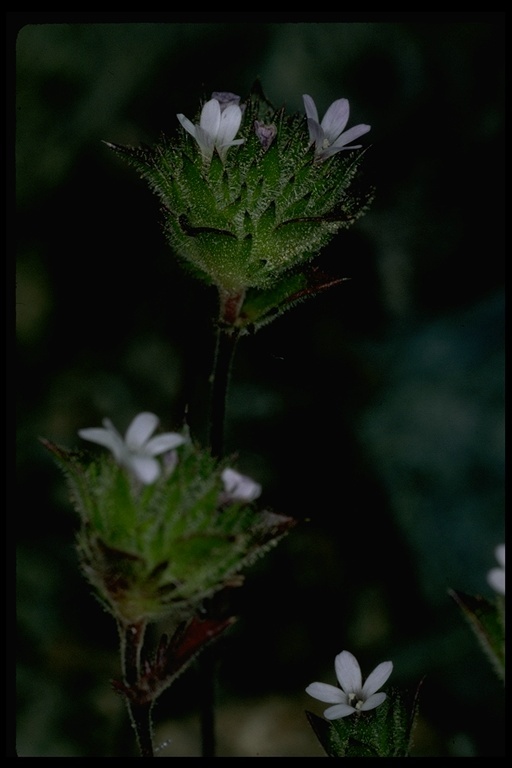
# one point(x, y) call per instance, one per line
point(261, 307)
point(487, 620)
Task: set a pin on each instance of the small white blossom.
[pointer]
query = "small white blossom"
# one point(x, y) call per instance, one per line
point(218, 125)
point(329, 136)
point(496, 576)
point(353, 696)
point(239, 487)
point(138, 449)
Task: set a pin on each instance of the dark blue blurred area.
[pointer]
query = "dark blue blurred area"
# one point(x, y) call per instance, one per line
point(374, 414)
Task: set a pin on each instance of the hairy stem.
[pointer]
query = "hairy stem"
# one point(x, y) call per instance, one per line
point(132, 640)
point(140, 715)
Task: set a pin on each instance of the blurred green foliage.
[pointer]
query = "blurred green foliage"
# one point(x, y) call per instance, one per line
point(374, 413)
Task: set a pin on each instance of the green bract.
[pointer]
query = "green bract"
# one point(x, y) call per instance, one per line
point(262, 211)
point(487, 620)
point(383, 732)
point(161, 549)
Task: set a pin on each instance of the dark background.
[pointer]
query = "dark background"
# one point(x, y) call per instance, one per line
point(374, 413)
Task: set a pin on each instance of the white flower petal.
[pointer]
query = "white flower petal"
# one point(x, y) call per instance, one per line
point(377, 678)
point(146, 469)
point(496, 576)
point(328, 135)
point(230, 478)
point(140, 430)
point(335, 119)
point(229, 124)
point(210, 117)
point(316, 134)
point(206, 142)
point(351, 135)
point(218, 125)
point(373, 701)
point(338, 711)
point(496, 579)
point(109, 438)
point(162, 443)
point(187, 124)
point(240, 487)
point(348, 672)
point(310, 107)
point(329, 694)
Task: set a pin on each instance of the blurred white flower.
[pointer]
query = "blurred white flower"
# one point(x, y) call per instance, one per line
point(238, 487)
point(218, 125)
point(353, 696)
point(496, 576)
point(138, 449)
point(329, 136)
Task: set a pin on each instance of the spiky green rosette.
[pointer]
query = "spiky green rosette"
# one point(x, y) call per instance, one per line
point(249, 219)
point(155, 550)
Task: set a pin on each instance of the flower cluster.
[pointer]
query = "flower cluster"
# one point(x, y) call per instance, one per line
point(221, 117)
point(352, 696)
point(165, 525)
point(255, 195)
point(137, 450)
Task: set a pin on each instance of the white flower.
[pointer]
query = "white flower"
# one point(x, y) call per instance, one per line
point(329, 136)
point(496, 576)
point(218, 125)
point(137, 450)
point(353, 696)
point(239, 487)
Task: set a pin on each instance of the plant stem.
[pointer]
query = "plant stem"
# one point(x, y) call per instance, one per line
point(224, 354)
point(140, 715)
point(207, 663)
point(132, 640)
point(226, 340)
